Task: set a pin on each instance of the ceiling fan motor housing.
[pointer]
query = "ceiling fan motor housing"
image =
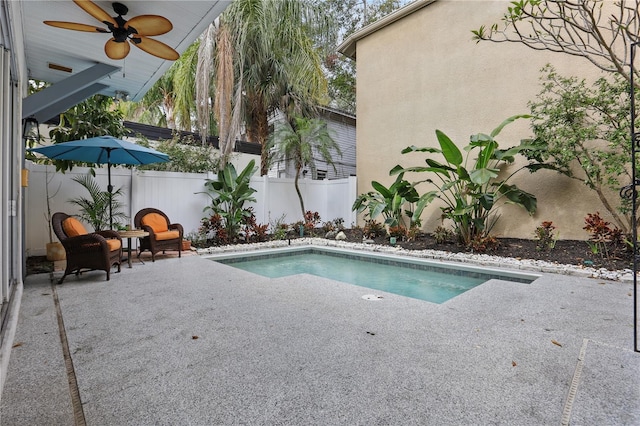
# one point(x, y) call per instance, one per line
point(120, 33)
point(120, 8)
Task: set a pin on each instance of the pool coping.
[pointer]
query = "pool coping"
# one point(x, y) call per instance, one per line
point(492, 272)
point(477, 259)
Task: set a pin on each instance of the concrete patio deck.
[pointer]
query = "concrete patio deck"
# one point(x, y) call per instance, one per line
point(192, 342)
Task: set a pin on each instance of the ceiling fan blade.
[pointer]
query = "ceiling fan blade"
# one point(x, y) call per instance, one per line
point(76, 27)
point(117, 50)
point(155, 47)
point(95, 11)
point(149, 25)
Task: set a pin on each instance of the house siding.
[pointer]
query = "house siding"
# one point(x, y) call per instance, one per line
point(342, 128)
point(424, 72)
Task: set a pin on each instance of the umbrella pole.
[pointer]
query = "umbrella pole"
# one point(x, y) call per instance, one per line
point(110, 189)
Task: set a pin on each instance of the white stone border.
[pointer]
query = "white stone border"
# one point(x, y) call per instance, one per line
point(625, 275)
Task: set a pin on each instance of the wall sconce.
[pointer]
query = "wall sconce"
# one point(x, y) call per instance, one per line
point(30, 129)
point(24, 178)
point(30, 132)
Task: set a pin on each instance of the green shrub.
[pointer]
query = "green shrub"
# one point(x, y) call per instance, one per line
point(602, 235)
point(545, 236)
point(311, 220)
point(373, 229)
point(469, 185)
point(399, 232)
point(228, 193)
point(254, 232)
point(443, 235)
point(197, 238)
point(483, 243)
point(279, 229)
point(214, 230)
point(582, 132)
point(391, 202)
point(186, 156)
point(327, 227)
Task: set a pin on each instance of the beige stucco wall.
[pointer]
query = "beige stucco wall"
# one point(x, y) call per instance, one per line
point(424, 72)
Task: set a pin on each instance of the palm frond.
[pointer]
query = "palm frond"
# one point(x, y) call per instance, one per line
point(95, 209)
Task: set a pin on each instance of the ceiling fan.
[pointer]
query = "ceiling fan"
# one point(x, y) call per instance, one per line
point(135, 30)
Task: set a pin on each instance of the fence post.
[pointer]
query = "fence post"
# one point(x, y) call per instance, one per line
point(353, 194)
point(266, 187)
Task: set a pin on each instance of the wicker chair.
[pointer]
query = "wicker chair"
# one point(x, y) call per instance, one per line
point(163, 235)
point(88, 251)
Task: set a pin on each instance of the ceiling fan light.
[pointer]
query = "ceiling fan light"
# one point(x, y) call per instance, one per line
point(117, 49)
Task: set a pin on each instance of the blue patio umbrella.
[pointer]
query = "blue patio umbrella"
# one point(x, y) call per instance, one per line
point(103, 150)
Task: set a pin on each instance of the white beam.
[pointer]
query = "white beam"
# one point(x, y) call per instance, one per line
point(64, 94)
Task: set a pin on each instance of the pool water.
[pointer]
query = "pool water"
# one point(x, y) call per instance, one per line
point(420, 280)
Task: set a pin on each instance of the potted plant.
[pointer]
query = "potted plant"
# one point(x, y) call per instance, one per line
point(195, 238)
point(54, 249)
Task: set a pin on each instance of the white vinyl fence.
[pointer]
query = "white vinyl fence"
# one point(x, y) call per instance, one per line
point(178, 195)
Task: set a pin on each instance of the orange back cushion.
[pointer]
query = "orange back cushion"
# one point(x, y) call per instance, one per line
point(72, 227)
point(156, 221)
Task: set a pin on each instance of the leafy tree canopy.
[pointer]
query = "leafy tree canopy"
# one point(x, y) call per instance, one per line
point(582, 131)
point(348, 17)
point(186, 155)
point(95, 116)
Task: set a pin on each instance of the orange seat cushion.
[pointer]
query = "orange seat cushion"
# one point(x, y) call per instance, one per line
point(156, 221)
point(72, 227)
point(114, 244)
point(167, 235)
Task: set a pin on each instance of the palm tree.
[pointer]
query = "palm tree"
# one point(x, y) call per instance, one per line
point(299, 143)
point(170, 101)
point(264, 57)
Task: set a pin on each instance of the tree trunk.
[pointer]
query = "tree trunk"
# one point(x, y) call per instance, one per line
point(616, 217)
point(295, 183)
point(264, 161)
point(259, 132)
point(204, 71)
point(224, 92)
point(168, 109)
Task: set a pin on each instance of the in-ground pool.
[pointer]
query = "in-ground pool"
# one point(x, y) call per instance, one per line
point(417, 278)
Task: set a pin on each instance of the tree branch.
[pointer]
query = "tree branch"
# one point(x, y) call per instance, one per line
point(596, 30)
